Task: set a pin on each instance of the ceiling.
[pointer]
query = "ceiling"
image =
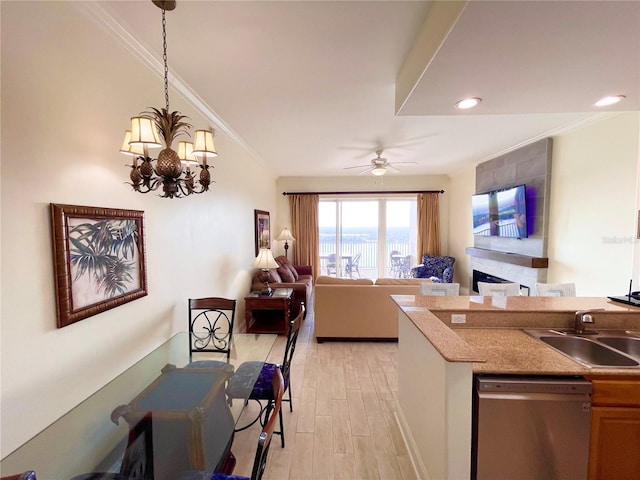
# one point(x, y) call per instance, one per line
point(312, 87)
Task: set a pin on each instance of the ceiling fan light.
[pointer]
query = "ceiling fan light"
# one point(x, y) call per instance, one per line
point(379, 171)
point(467, 103)
point(612, 100)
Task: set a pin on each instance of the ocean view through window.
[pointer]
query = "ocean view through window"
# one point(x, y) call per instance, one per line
point(367, 237)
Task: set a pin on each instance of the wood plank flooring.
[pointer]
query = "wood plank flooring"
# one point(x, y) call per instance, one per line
point(342, 425)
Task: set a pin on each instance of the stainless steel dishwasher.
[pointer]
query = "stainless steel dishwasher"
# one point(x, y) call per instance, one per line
point(531, 427)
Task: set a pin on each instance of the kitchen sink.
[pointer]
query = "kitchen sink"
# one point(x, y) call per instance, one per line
point(616, 349)
point(628, 345)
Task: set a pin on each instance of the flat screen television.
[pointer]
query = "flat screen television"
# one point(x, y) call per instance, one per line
point(484, 214)
point(512, 212)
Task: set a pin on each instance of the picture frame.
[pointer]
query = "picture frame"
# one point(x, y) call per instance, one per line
point(263, 230)
point(98, 258)
point(638, 226)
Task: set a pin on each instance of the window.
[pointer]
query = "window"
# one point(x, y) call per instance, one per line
point(367, 237)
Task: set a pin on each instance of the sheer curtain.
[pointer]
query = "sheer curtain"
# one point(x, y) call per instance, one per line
point(428, 224)
point(304, 227)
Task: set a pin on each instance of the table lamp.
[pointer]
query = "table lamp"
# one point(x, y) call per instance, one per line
point(286, 236)
point(265, 261)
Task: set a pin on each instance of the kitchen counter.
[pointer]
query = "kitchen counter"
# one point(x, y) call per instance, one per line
point(492, 337)
point(444, 341)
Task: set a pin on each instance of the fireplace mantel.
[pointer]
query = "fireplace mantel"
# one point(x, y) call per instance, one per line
point(506, 257)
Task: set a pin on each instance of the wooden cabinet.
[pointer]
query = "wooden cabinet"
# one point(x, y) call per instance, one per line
point(614, 450)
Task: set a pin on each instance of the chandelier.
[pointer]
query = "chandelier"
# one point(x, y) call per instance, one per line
point(175, 171)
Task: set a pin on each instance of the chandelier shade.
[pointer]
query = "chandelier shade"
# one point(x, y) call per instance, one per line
point(203, 146)
point(131, 149)
point(143, 132)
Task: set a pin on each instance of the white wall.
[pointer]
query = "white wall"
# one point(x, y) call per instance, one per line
point(68, 90)
point(461, 188)
point(593, 214)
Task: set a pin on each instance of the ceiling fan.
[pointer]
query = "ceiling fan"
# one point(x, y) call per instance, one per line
point(379, 165)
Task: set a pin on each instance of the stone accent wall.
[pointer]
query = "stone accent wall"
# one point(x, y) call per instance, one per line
point(531, 166)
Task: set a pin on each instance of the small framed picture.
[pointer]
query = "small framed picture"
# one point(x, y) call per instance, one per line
point(638, 225)
point(263, 230)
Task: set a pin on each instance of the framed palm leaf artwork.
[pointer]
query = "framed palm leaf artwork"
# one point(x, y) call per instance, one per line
point(99, 261)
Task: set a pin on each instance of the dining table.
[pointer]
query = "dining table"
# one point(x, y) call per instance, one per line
point(161, 408)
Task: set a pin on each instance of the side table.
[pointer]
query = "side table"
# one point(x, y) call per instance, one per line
point(268, 314)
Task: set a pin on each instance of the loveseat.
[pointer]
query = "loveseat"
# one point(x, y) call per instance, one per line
point(298, 277)
point(347, 308)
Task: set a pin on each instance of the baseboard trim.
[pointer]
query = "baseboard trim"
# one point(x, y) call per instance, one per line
point(416, 460)
point(356, 339)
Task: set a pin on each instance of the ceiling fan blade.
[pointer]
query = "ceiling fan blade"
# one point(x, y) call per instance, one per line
point(357, 166)
point(391, 168)
point(403, 163)
point(366, 171)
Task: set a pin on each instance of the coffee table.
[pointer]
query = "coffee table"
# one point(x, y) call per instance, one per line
point(268, 314)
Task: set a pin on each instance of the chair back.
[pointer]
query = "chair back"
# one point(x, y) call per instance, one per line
point(439, 289)
point(292, 339)
point(264, 440)
point(488, 289)
point(436, 264)
point(28, 475)
point(556, 289)
point(211, 322)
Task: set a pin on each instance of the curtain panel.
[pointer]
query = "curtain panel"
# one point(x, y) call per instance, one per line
point(428, 224)
point(304, 227)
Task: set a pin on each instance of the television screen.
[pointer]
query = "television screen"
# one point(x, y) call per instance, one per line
point(512, 212)
point(484, 216)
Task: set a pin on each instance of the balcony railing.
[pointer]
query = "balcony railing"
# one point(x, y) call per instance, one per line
point(368, 262)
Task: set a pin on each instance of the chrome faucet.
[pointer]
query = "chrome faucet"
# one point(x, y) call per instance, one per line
point(583, 317)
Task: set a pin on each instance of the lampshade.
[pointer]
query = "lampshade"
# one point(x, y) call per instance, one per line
point(285, 235)
point(264, 260)
point(185, 153)
point(379, 171)
point(143, 131)
point(129, 149)
point(203, 146)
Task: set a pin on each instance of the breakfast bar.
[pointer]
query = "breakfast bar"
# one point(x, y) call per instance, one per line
point(445, 341)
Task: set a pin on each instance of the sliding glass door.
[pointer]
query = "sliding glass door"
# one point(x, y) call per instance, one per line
point(358, 236)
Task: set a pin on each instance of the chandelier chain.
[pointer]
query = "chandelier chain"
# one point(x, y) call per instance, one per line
point(164, 57)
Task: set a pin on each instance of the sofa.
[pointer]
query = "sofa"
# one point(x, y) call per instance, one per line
point(298, 277)
point(350, 309)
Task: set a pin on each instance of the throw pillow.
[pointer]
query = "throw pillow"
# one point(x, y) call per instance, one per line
point(286, 275)
point(274, 277)
point(293, 270)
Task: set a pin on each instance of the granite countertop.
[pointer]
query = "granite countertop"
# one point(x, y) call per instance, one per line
point(494, 346)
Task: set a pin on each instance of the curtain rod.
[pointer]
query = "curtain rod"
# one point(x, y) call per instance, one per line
point(370, 192)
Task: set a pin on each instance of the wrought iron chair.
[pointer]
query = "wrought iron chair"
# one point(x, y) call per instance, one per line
point(273, 409)
point(252, 380)
point(211, 323)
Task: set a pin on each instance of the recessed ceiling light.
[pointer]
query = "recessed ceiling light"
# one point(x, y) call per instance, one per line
point(606, 101)
point(468, 103)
